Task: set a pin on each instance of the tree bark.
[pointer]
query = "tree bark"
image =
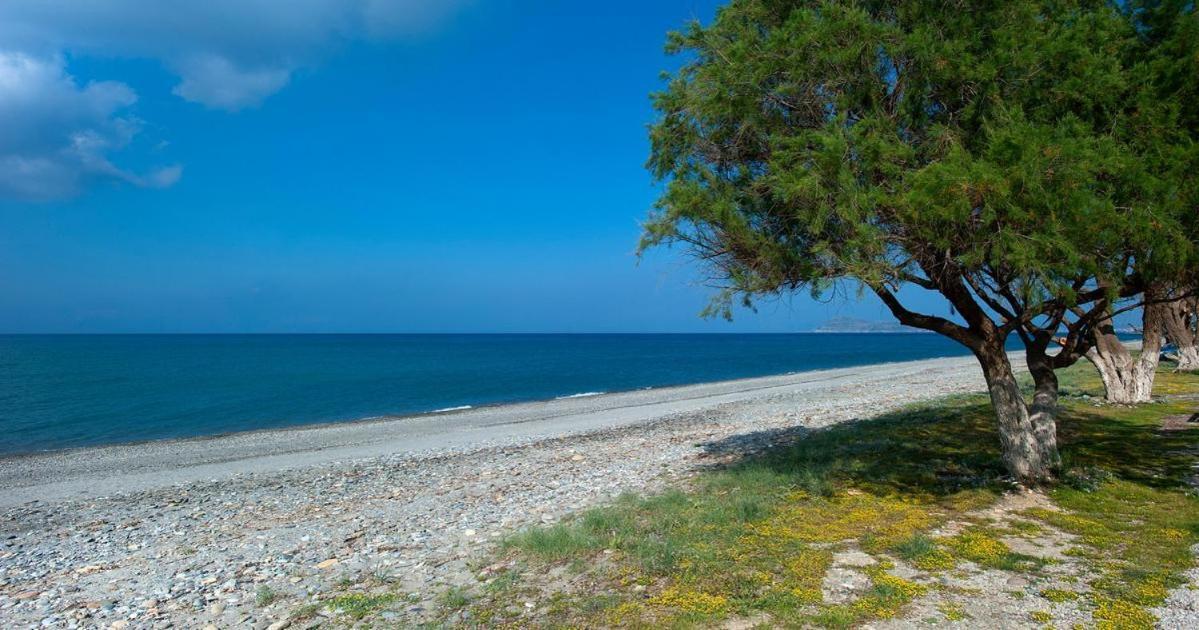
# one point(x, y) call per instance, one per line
point(1028, 440)
point(1180, 323)
point(1129, 381)
point(1043, 413)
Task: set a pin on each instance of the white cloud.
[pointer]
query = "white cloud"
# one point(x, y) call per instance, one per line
point(228, 54)
point(216, 82)
point(57, 134)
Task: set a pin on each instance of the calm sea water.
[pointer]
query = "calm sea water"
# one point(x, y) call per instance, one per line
point(68, 391)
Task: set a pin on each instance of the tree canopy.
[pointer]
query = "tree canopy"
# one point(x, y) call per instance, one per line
point(1032, 161)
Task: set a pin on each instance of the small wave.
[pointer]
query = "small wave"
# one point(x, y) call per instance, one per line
point(582, 395)
point(462, 408)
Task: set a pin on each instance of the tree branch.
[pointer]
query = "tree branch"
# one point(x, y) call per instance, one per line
point(958, 333)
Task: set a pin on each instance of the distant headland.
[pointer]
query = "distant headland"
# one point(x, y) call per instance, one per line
point(854, 325)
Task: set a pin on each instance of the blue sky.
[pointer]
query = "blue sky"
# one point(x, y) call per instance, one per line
point(369, 166)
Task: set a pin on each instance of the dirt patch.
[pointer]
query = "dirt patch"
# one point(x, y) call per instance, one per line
point(1180, 422)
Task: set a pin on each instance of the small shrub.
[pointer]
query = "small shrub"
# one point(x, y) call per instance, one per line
point(265, 595)
point(454, 598)
point(1086, 478)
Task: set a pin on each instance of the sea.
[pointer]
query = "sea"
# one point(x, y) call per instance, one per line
point(69, 391)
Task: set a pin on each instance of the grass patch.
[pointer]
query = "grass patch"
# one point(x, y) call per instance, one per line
point(555, 543)
point(756, 539)
point(1058, 596)
point(357, 606)
point(454, 598)
point(1137, 523)
point(952, 612)
point(981, 547)
point(924, 553)
point(760, 536)
point(265, 596)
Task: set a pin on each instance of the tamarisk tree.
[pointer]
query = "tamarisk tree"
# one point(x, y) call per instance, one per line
point(1128, 379)
point(1020, 159)
point(1167, 35)
point(1182, 328)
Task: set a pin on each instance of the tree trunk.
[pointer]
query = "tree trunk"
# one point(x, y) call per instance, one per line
point(1188, 358)
point(1030, 458)
point(1127, 381)
point(1180, 323)
point(1043, 413)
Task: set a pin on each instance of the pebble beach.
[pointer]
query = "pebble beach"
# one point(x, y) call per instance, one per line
point(239, 531)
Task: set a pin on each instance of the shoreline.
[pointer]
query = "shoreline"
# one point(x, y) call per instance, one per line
point(187, 533)
point(92, 471)
point(418, 414)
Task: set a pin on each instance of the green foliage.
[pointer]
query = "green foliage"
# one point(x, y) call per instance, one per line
point(1030, 143)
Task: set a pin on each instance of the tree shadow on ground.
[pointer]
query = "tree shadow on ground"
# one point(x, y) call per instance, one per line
point(942, 449)
point(758, 532)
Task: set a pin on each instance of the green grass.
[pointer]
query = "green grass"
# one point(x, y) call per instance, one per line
point(454, 598)
point(758, 536)
point(923, 552)
point(982, 547)
point(754, 540)
point(358, 606)
point(953, 612)
point(265, 596)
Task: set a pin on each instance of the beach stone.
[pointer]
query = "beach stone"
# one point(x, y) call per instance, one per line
point(403, 515)
point(853, 558)
point(843, 584)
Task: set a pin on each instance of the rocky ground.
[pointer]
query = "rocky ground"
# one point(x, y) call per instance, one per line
point(974, 596)
point(251, 550)
point(247, 551)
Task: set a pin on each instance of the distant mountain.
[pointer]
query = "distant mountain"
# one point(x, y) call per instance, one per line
point(853, 325)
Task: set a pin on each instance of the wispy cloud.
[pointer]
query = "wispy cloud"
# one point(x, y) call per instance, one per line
point(227, 54)
point(217, 82)
point(56, 133)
